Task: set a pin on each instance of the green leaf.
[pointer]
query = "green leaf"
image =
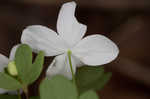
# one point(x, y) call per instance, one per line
point(27, 71)
point(58, 87)
point(23, 60)
point(35, 97)
point(89, 95)
point(4, 96)
point(91, 78)
point(8, 82)
point(86, 75)
point(36, 68)
point(102, 81)
point(8, 97)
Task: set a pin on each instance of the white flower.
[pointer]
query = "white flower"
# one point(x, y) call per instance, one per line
point(92, 50)
point(4, 61)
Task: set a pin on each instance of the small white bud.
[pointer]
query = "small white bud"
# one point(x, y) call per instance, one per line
point(12, 70)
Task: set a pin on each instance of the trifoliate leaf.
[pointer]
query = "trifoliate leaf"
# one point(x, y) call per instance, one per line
point(36, 67)
point(102, 81)
point(23, 60)
point(86, 75)
point(8, 82)
point(27, 71)
point(91, 78)
point(58, 87)
point(89, 95)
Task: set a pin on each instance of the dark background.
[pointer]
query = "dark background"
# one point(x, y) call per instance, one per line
point(126, 22)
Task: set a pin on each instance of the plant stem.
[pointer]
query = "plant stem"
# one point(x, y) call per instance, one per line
point(25, 89)
point(70, 62)
point(27, 96)
point(18, 92)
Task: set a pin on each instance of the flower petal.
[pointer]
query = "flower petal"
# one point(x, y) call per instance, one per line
point(3, 62)
point(2, 91)
point(60, 66)
point(77, 61)
point(67, 25)
point(96, 50)
point(13, 52)
point(42, 38)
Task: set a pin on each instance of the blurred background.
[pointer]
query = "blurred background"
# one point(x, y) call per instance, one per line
point(126, 22)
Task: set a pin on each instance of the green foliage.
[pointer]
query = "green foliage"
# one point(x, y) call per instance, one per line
point(35, 97)
point(37, 67)
point(89, 95)
point(27, 71)
point(88, 78)
point(4, 96)
point(8, 97)
point(91, 78)
point(8, 82)
point(58, 87)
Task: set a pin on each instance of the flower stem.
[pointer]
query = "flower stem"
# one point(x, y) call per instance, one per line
point(27, 96)
point(70, 62)
point(25, 89)
point(19, 96)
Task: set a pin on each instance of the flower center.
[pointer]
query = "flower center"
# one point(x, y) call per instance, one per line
point(12, 70)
